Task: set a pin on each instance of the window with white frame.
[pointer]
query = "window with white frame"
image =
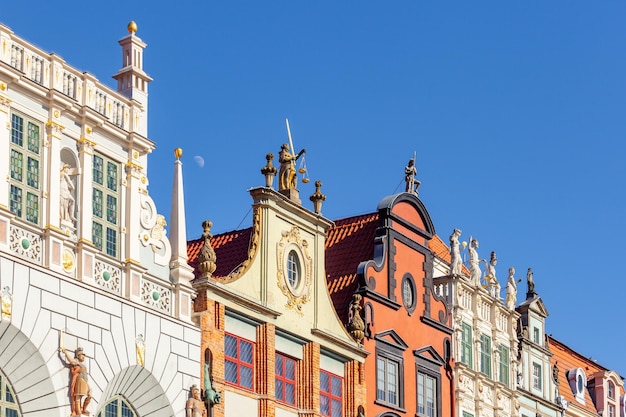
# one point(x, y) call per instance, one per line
point(466, 344)
point(611, 409)
point(387, 380)
point(536, 336)
point(117, 407)
point(537, 376)
point(611, 390)
point(426, 395)
point(105, 205)
point(25, 168)
point(8, 401)
point(485, 355)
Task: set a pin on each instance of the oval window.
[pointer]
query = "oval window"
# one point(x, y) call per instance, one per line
point(293, 270)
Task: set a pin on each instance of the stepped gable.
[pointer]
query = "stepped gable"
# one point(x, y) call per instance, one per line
point(348, 243)
point(231, 249)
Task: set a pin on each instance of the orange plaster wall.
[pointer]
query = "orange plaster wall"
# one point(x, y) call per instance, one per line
point(410, 328)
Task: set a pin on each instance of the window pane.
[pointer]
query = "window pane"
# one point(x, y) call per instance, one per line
point(98, 169)
point(246, 377)
point(336, 389)
point(17, 129)
point(230, 346)
point(97, 235)
point(278, 367)
point(32, 208)
point(17, 165)
point(111, 209)
point(290, 369)
point(280, 389)
point(111, 242)
point(324, 405)
point(112, 176)
point(32, 176)
point(324, 385)
point(245, 351)
point(336, 408)
point(290, 393)
point(230, 372)
point(15, 205)
point(33, 138)
point(97, 202)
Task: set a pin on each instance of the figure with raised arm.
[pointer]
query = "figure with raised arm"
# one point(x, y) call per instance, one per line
point(456, 264)
point(412, 184)
point(79, 387)
point(287, 172)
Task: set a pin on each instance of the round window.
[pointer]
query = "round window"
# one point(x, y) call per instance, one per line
point(294, 271)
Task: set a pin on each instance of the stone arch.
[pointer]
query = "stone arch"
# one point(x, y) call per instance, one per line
point(27, 372)
point(141, 389)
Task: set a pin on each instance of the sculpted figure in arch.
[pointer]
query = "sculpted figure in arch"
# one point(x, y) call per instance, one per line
point(65, 191)
point(195, 406)
point(79, 387)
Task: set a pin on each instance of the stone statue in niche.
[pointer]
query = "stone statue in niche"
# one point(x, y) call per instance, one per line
point(80, 393)
point(195, 406)
point(412, 184)
point(474, 262)
point(456, 263)
point(66, 190)
point(287, 173)
point(511, 290)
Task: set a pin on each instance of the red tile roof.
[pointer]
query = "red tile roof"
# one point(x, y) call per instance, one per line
point(349, 242)
point(231, 249)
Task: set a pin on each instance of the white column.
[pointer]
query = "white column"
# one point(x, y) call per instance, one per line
point(51, 199)
point(5, 139)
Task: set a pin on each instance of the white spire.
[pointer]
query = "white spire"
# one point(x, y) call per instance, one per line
point(179, 269)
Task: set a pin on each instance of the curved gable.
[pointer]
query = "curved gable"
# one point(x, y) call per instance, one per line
point(406, 213)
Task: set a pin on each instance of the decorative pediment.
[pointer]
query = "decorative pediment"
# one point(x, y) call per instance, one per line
point(391, 338)
point(534, 304)
point(429, 354)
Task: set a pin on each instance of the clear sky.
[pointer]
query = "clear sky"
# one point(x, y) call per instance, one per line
point(515, 110)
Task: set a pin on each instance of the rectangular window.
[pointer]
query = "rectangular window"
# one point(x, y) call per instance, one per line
point(426, 395)
point(536, 336)
point(238, 361)
point(105, 205)
point(285, 379)
point(466, 344)
point(611, 390)
point(331, 394)
point(611, 410)
point(536, 376)
point(485, 355)
point(387, 380)
point(466, 414)
point(25, 169)
point(504, 364)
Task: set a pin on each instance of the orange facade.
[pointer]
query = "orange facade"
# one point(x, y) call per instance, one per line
point(408, 327)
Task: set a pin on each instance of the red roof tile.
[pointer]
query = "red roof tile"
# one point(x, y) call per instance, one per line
point(349, 242)
point(231, 249)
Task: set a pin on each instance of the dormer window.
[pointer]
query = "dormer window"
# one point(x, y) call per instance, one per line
point(536, 336)
point(577, 381)
point(611, 390)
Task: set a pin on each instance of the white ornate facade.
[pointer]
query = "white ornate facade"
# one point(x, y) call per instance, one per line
point(484, 345)
point(84, 256)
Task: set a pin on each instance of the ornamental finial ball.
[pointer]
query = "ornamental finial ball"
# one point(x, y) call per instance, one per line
point(178, 152)
point(132, 27)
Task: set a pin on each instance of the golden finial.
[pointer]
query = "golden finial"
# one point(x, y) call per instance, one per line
point(132, 27)
point(178, 152)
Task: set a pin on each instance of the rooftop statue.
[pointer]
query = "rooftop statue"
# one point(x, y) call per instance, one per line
point(474, 262)
point(456, 263)
point(412, 184)
point(511, 290)
point(287, 177)
point(531, 283)
point(493, 285)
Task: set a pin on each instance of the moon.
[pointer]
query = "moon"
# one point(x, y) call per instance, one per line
point(199, 160)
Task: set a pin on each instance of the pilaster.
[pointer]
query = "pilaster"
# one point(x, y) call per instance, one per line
point(5, 138)
point(265, 369)
point(132, 206)
point(51, 199)
point(211, 322)
point(309, 381)
point(355, 393)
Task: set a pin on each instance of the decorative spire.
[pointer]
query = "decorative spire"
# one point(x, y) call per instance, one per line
point(269, 170)
point(178, 234)
point(207, 258)
point(317, 197)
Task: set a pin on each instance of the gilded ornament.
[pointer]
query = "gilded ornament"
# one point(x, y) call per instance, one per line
point(68, 260)
point(56, 113)
point(178, 152)
point(7, 301)
point(132, 27)
point(3, 86)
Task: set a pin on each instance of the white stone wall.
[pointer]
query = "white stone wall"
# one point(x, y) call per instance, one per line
point(46, 304)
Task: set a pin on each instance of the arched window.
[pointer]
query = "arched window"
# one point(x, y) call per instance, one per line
point(117, 407)
point(8, 402)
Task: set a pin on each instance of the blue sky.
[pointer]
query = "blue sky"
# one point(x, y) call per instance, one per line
point(515, 110)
